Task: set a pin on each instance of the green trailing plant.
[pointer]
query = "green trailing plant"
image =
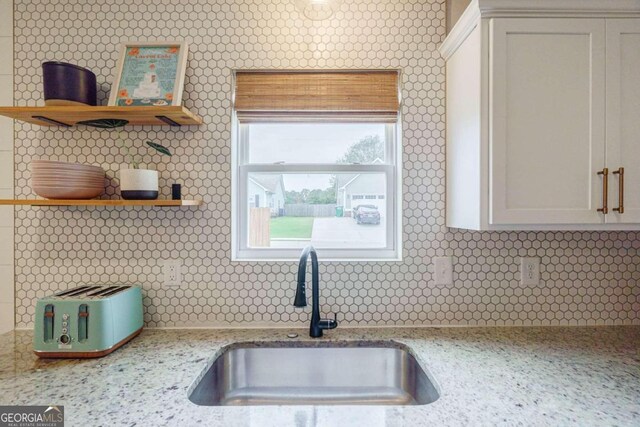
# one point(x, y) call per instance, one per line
point(132, 158)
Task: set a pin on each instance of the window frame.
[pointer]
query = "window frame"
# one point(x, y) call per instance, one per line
point(241, 169)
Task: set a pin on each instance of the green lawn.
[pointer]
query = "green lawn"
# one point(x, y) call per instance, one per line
point(291, 227)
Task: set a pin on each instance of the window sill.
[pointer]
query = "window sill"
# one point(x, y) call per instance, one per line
point(320, 258)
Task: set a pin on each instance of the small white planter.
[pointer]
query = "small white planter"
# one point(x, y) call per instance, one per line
point(138, 184)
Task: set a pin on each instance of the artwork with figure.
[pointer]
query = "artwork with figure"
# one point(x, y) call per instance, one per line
point(148, 76)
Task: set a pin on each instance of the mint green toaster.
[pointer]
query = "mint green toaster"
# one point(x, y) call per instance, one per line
point(87, 321)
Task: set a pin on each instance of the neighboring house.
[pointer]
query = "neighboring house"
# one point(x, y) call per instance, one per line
point(361, 189)
point(267, 191)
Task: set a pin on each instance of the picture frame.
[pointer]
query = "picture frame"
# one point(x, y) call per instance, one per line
point(150, 74)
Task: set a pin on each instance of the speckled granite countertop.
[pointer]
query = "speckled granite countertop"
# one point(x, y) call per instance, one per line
point(486, 376)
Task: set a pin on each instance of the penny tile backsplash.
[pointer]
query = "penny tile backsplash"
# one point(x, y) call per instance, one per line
point(586, 277)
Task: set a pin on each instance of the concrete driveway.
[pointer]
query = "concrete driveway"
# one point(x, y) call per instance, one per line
point(344, 232)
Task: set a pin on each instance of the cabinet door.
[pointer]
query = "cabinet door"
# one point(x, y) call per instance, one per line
point(546, 120)
point(623, 116)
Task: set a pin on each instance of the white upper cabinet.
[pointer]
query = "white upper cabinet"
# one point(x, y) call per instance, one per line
point(543, 106)
point(547, 120)
point(623, 119)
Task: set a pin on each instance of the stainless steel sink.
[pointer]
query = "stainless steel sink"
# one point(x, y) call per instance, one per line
point(362, 373)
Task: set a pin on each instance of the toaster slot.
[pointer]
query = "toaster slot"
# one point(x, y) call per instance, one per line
point(78, 291)
point(48, 323)
point(108, 291)
point(115, 291)
point(101, 291)
point(71, 291)
point(83, 322)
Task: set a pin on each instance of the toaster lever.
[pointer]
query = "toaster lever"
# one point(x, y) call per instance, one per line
point(47, 329)
point(83, 322)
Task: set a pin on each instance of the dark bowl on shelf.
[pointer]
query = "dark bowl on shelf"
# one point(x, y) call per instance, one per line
point(68, 84)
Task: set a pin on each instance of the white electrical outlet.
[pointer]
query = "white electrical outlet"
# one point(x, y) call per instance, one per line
point(172, 272)
point(530, 270)
point(443, 270)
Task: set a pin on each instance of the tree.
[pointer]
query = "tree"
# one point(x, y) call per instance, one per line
point(322, 197)
point(293, 196)
point(367, 150)
point(312, 197)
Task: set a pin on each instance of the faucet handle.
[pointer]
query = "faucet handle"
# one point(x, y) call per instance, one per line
point(329, 323)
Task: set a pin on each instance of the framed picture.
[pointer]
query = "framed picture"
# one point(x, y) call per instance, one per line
point(150, 74)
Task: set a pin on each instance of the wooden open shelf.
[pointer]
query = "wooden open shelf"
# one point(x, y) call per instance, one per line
point(68, 116)
point(96, 202)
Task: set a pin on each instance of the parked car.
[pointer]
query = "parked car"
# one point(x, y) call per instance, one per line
point(355, 209)
point(366, 214)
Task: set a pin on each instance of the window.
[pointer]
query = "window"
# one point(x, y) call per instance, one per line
point(313, 177)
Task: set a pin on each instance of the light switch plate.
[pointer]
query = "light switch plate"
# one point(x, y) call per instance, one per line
point(443, 270)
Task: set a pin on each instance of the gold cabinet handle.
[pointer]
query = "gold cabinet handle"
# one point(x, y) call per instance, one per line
point(620, 173)
point(605, 190)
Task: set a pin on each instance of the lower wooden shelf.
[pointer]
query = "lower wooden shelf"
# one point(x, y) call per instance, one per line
point(47, 202)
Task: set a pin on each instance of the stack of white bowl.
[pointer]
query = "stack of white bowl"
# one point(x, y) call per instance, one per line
point(61, 180)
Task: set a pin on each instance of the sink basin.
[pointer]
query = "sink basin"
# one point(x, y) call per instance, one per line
point(361, 373)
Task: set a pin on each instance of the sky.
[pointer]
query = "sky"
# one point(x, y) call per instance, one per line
point(306, 143)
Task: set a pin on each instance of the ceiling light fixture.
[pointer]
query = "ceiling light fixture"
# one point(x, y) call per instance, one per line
point(318, 10)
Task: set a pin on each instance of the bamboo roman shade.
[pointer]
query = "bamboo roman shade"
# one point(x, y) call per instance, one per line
point(317, 94)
